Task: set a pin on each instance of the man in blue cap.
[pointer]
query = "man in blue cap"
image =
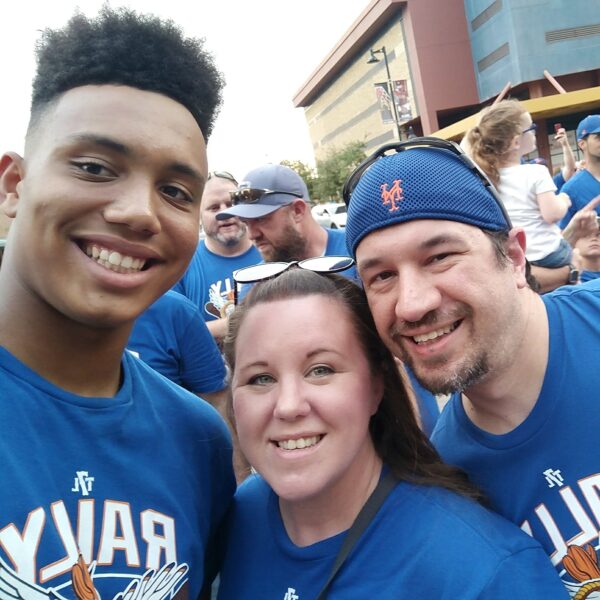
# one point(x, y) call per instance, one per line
point(273, 202)
point(445, 276)
point(585, 184)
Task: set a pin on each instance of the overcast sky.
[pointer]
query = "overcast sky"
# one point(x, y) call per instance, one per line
point(266, 49)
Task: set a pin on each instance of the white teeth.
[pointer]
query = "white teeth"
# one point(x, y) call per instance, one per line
point(432, 335)
point(299, 443)
point(114, 258)
point(114, 261)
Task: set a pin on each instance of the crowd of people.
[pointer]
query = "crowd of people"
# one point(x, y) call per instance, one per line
point(261, 405)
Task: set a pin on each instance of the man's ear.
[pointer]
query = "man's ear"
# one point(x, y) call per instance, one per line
point(11, 175)
point(515, 250)
point(299, 208)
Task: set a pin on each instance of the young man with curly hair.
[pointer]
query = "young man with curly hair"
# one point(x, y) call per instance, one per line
point(115, 480)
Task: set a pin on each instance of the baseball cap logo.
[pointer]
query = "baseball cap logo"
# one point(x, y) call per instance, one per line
point(393, 196)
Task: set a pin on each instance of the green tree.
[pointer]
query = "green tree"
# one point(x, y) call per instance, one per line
point(306, 172)
point(335, 169)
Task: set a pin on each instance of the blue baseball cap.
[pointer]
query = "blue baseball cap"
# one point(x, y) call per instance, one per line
point(280, 186)
point(422, 183)
point(591, 124)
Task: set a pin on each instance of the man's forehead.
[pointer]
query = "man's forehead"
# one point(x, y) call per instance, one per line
point(126, 115)
point(90, 105)
point(216, 191)
point(420, 233)
point(219, 185)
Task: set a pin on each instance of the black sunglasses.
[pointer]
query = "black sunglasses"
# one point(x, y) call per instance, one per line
point(269, 270)
point(222, 175)
point(532, 127)
point(423, 142)
point(250, 195)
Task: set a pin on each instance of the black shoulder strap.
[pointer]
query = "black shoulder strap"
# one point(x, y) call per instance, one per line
point(365, 516)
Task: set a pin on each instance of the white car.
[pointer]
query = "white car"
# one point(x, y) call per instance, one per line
point(330, 215)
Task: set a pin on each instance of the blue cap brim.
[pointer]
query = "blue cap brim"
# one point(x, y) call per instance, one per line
point(248, 211)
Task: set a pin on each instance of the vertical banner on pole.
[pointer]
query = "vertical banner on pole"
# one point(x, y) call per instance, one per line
point(384, 102)
point(401, 97)
point(402, 100)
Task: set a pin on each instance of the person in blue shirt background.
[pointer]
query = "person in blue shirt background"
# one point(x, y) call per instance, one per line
point(173, 339)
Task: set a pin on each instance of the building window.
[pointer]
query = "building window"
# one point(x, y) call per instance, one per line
point(558, 35)
point(493, 57)
point(494, 8)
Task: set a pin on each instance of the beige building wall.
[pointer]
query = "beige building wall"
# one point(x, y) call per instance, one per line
point(347, 110)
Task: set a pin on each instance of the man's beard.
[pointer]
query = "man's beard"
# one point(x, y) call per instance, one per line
point(469, 371)
point(463, 377)
point(294, 248)
point(229, 239)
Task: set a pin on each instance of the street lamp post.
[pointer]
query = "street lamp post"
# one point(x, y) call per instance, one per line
point(374, 59)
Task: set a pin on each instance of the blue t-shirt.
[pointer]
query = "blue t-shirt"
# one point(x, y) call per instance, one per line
point(208, 281)
point(137, 483)
point(336, 246)
point(581, 188)
point(545, 474)
point(588, 276)
point(173, 339)
point(559, 181)
point(424, 542)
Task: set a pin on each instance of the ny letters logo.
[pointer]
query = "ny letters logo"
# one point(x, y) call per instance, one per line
point(393, 196)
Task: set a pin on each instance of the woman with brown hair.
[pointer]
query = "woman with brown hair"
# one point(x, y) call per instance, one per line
point(350, 500)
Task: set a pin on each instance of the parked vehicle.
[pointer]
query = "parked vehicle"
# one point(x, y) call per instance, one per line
point(331, 215)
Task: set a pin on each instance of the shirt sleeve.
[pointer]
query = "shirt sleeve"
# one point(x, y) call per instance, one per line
point(543, 181)
point(202, 366)
point(525, 574)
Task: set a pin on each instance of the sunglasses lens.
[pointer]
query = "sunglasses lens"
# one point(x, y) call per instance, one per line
point(247, 195)
point(327, 264)
point(258, 272)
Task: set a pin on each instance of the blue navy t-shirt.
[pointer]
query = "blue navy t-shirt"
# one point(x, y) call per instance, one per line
point(581, 188)
point(173, 339)
point(424, 542)
point(208, 281)
point(544, 475)
point(131, 488)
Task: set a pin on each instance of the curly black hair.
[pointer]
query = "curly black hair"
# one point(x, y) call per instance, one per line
point(123, 47)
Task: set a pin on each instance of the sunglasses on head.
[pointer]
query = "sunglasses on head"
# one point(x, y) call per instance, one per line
point(250, 195)
point(532, 127)
point(431, 143)
point(222, 175)
point(269, 270)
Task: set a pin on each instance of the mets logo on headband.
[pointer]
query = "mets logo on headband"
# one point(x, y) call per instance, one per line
point(393, 196)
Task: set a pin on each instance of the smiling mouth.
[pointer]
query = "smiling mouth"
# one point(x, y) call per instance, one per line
point(299, 443)
point(434, 335)
point(115, 261)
